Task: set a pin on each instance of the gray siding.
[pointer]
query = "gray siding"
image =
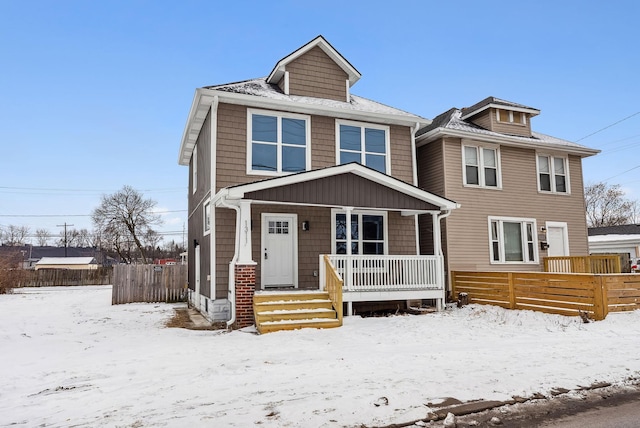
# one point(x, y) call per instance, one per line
point(196, 215)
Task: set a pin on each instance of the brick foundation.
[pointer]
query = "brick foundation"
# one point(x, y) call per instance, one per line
point(245, 288)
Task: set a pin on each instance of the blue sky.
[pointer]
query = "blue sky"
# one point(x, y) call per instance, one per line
point(94, 95)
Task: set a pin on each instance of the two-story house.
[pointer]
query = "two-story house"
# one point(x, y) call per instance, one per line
point(521, 191)
point(290, 167)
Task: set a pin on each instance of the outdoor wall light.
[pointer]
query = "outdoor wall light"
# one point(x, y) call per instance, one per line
point(305, 225)
point(195, 243)
point(543, 229)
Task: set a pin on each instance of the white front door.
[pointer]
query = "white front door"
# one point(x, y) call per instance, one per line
point(279, 255)
point(558, 239)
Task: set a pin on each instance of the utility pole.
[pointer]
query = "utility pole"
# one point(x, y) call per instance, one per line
point(65, 235)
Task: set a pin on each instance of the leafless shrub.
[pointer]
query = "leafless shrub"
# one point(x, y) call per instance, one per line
point(11, 272)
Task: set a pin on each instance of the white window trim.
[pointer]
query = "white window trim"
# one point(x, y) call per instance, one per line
point(194, 170)
point(385, 224)
point(387, 144)
point(279, 115)
point(552, 173)
point(522, 221)
point(206, 204)
point(481, 177)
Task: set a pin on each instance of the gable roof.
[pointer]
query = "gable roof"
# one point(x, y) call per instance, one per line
point(320, 42)
point(452, 123)
point(241, 190)
point(493, 102)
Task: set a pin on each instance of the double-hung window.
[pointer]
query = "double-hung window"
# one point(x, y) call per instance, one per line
point(553, 174)
point(512, 240)
point(366, 144)
point(278, 143)
point(481, 166)
point(368, 232)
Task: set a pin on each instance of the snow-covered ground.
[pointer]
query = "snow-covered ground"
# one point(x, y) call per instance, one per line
point(69, 358)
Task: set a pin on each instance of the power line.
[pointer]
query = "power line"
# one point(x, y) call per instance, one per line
point(78, 215)
point(608, 126)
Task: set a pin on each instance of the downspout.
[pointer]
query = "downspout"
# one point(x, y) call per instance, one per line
point(212, 190)
point(232, 264)
point(440, 217)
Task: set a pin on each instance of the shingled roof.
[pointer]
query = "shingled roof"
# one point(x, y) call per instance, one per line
point(451, 120)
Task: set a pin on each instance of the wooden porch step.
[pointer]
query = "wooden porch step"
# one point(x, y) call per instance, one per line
point(293, 310)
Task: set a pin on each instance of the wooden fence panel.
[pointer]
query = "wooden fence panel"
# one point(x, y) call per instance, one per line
point(66, 277)
point(622, 292)
point(149, 283)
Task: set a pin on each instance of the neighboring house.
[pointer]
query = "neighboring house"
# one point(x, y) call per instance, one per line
point(31, 254)
point(277, 166)
point(623, 239)
point(71, 263)
point(521, 192)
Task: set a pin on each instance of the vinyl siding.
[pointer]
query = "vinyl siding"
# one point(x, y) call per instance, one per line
point(487, 119)
point(315, 74)
point(467, 228)
point(195, 203)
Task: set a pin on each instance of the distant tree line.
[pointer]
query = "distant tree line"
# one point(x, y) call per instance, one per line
point(124, 228)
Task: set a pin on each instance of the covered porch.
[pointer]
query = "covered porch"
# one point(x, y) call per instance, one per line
point(365, 221)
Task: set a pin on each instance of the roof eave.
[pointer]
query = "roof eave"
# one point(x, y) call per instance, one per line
point(531, 111)
point(278, 71)
point(511, 141)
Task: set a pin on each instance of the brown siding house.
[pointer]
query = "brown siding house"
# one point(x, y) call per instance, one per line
point(282, 163)
point(521, 192)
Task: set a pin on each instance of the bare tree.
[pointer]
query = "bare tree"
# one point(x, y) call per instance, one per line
point(42, 237)
point(11, 272)
point(15, 235)
point(126, 217)
point(606, 205)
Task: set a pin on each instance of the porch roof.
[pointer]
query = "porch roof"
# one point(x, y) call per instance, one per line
point(350, 184)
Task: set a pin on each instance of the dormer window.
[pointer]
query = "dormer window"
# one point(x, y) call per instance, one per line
point(510, 116)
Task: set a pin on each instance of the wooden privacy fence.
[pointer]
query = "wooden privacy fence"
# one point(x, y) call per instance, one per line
point(149, 283)
point(558, 293)
point(583, 264)
point(59, 277)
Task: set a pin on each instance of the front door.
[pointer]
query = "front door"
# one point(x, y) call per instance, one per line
point(558, 239)
point(279, 255)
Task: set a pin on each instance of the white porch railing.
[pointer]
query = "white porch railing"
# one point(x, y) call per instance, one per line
point(387, 273)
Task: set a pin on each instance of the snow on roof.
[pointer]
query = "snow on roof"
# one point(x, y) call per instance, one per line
point(260, 88)
point(452, 119)
point(66, 261)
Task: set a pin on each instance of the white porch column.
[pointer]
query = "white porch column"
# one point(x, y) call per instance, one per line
point(437, 240)
point(348, 266)
point(244, 226)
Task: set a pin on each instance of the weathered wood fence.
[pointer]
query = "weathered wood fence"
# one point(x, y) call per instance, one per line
point(559, 293)
point(60, 277)
point(149, 283)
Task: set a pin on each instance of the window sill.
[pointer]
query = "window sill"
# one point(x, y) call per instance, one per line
point(547, 192)
point(476, 186)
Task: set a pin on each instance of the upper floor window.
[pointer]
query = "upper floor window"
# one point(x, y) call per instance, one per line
point(511, 116)
point(278, 142)
point(553, 175)
point(512, 240)
point(481, 166)
point(363, 143)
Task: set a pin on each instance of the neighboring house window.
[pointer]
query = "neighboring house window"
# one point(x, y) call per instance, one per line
point(512, 240)
point(481, 166)
point(207, 217)
point(194, 169)
point(553, 174)
point(511, 117)
point(368, 232)
point(278, 143)
point(363, 143)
